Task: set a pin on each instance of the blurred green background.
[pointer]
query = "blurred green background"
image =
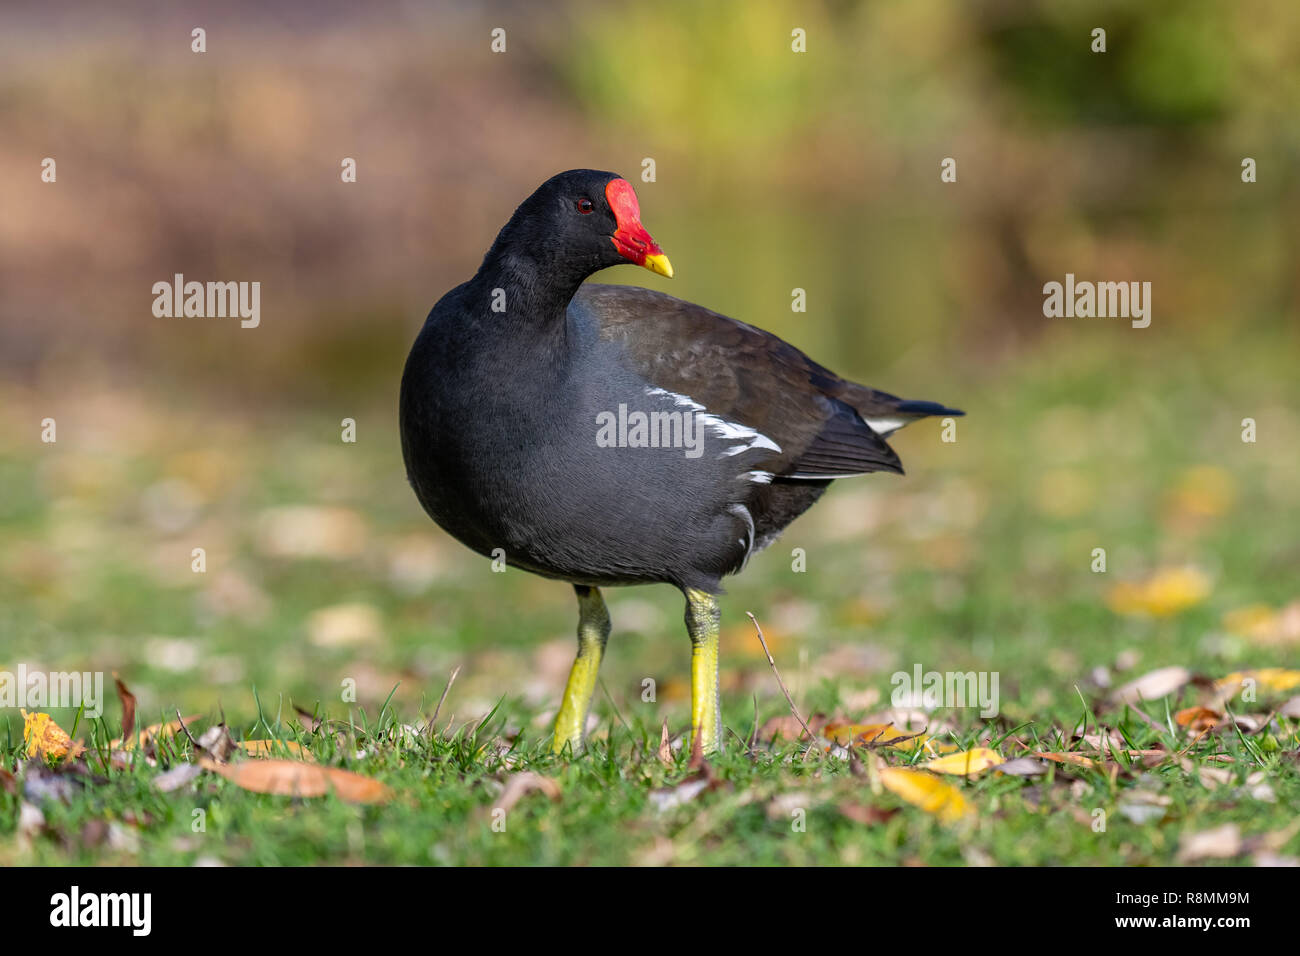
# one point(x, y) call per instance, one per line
point(774, 170)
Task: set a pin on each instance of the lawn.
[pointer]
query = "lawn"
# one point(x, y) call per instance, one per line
point(321, 588)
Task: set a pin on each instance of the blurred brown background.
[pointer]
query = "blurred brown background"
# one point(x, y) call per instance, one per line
point(774, 169)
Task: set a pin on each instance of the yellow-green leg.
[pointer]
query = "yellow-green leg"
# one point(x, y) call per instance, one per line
point(593, 632)
point(703, 622)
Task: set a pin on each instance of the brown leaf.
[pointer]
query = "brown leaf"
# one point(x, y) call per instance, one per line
point(665, 749)
point(787, 726)
point(867, 815)
point(873, 735)
point(291, 778)
point(217, 743)
point(128, 707)
point(520, 784)
point(310, 722)
point(1198, 719)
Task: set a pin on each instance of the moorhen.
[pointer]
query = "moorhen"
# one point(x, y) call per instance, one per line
point(611, 435)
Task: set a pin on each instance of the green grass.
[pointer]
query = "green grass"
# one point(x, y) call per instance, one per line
point(978, 560)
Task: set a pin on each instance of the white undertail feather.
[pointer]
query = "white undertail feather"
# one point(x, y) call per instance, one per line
point(884, 427)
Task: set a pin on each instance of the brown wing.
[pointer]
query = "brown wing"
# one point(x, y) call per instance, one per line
point(745, 375)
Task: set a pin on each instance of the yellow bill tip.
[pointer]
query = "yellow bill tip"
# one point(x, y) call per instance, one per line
point(660, 264)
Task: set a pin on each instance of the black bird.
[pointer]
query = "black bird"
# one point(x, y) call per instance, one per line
point(610, 435)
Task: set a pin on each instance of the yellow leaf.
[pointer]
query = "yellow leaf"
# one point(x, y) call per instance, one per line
point(1263, 624)
point(1167, 592)
point(292, 778)
point(44, 738)
point(879, 734)
point(1065, 757)
point(265, 748)
point(1276, 679)
point(968, 762)
point(928, 792)
point(1253, 620)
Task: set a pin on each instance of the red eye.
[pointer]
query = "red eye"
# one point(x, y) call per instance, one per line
point(585, 206)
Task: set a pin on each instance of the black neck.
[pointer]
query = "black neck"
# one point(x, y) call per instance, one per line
point(536, 287)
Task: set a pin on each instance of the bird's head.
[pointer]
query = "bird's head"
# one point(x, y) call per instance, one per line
point(587, 220)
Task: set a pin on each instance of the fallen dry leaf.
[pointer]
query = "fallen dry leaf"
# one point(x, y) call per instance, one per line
point(665, 752)
point(1152, 686)
point(128, 706)
point(1277, 680)
point(1165, 593)
point(291, 778)
point(783, 805)
point(1212, 777)
point(669, 798)
point(1143, 806)
point(46, 739)
point(1023, 767)
point(151, 733)
point(965, 763)
point(177, 777)
point(217, 743)
point(310, 722)
point(873, 735)
point(1078, 760)
point(1262, 624)
point(787, 726)
point(1197, 719)
point(930, 793)
point(867, 815)
point(267, 748)
point(1218, 843)
point(520, 784)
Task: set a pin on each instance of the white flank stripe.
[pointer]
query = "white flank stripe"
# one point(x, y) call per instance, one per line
point(730, 431)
